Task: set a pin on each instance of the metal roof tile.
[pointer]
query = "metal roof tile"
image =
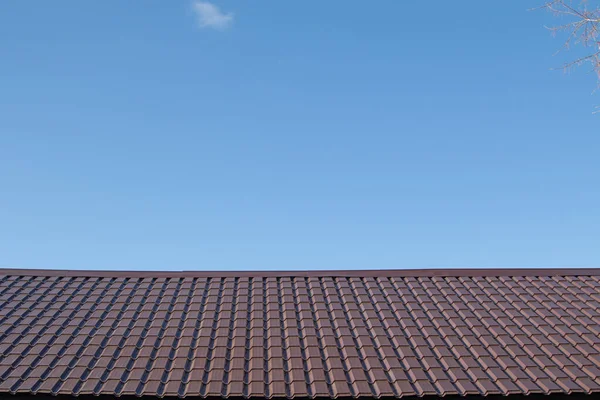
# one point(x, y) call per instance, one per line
point(389, 333)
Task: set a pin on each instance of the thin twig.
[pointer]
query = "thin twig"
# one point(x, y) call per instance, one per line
point(582, 29)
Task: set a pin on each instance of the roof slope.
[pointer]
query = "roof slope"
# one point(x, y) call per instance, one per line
point(369, 333)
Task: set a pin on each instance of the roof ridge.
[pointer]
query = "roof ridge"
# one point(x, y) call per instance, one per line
point(365, 273)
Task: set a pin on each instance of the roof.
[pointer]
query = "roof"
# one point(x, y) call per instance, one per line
point(333, 334)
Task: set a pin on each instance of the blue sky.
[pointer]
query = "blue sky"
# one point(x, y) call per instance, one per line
point(293, 135)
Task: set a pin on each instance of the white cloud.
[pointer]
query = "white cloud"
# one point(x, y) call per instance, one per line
point(210, 16)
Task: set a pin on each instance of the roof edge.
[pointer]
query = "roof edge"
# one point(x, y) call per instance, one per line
point(399, 273)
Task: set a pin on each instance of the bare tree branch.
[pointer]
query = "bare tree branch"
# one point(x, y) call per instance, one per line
point(583, 29)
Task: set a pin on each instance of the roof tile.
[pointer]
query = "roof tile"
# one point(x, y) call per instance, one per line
point(367, 334)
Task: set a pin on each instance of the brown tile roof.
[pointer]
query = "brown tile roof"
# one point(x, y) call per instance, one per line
point(300, 334)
